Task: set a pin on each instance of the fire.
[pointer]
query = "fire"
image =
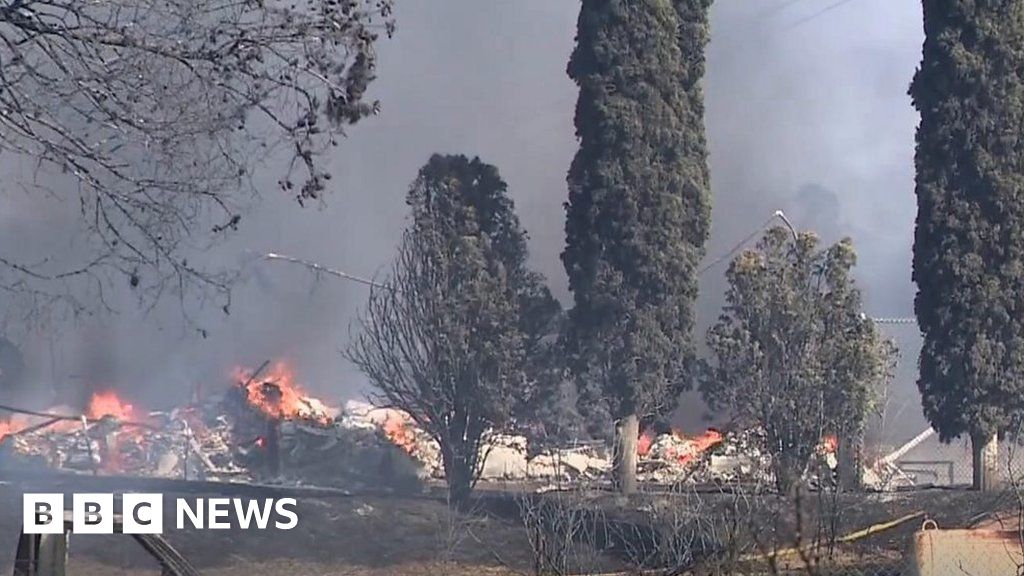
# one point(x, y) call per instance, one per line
point(829, 444)
point(643, 444)
point(400, 434)
point(700, 444)
point(7, 428)
point(681, 448)
point(276, 394)
point(108, 404)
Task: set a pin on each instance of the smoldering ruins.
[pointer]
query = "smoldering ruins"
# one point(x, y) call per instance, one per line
point(265, 429)
point(330, 250)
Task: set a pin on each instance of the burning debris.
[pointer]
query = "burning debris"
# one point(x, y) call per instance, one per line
point(266, 428)
point(277, 395)
point(711, 457)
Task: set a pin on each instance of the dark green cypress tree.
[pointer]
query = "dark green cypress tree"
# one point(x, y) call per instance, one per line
point(639, 209)
point(457, 337)
point(969, 242)
point(478, 195)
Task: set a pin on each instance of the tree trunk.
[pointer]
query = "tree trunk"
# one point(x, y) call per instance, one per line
point(627, 431)
point(787, 472)
point(849, 460)
point(985, 460)
point(458, 474)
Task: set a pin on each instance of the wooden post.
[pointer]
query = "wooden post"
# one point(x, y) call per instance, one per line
point(188, 444)
point(985, 461)
point(850, 462)
point(627, 432)
point(42, 555)
point(88, 445)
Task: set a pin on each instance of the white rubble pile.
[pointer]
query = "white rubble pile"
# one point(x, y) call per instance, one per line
point(737, 458)
point(404, 433)
point(506, 455)
point(570, 464)
point(359, 446)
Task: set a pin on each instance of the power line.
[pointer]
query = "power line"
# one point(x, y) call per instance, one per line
point(321, 268)
point(773, 10)
point(777, 215)
point(819, 13)
point(780, 215)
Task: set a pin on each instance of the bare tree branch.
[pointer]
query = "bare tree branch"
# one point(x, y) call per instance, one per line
point(153, 115)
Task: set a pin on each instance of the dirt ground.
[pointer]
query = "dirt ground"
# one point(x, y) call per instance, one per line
point(357, 536)
point(407, 535)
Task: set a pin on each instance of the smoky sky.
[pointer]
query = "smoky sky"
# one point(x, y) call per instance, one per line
point(806, 111)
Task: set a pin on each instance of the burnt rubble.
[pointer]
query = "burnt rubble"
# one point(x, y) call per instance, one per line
point(241, 439)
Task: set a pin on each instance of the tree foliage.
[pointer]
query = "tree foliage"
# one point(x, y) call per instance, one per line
point(153, 115)
point(479, 189)
point(969, 240)
point(792, 352)
point(448, 340)
point(638, 210)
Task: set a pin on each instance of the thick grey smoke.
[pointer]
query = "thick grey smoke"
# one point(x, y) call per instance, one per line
point(807, 112)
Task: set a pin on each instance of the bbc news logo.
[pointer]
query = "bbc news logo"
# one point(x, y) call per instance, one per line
point(144, 513)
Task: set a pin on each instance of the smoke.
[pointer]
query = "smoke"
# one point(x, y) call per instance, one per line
point(806, 112)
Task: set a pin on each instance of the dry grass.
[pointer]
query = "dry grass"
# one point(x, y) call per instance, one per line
point(357, 536)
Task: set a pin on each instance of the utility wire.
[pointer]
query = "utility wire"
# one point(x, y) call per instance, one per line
point(777, 215)
point(780, 215)
point(773, 10)
point(818, 14)
point(321, 268)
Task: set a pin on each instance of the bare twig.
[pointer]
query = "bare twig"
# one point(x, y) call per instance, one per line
point(158, 114)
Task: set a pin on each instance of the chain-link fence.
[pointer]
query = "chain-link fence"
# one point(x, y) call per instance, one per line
point(927, 462)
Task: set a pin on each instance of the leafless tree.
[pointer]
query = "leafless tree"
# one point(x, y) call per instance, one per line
point(563, 532)
point(152, 116)
point(441, 342)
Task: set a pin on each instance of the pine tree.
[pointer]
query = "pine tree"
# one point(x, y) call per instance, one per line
point(638, 211)
point(969, 242)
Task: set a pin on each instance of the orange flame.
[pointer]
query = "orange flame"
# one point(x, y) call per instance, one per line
point(829, 444)
point(276, 394)
point(108, 404)
point(686, 450)
point(7, 428)
point(400, 434)
point(643, 444)
point(709, 439)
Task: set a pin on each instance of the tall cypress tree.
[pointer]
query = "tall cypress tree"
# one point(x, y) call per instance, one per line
point(969, 242)
point(639, 209)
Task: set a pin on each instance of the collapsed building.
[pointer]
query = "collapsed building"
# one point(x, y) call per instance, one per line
point(264, 428)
